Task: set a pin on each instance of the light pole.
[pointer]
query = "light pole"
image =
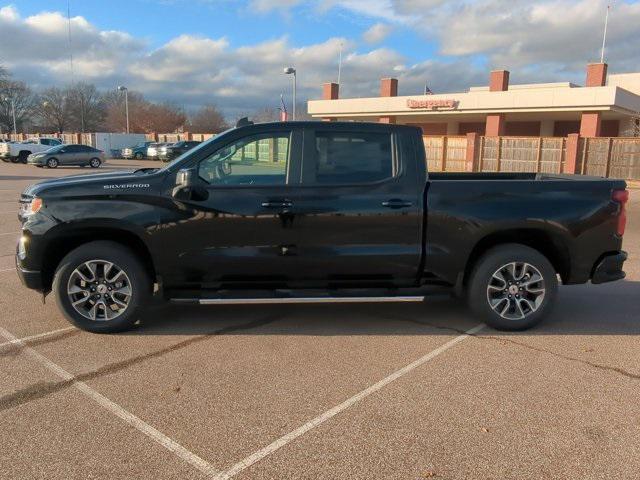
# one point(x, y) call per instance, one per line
point(124, 89)
point(292, 71)
point(13, 113)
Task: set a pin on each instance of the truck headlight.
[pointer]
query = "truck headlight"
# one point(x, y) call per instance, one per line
point(32, 207)
point(22, 247)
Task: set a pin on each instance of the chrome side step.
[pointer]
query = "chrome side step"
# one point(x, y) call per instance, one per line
point(254, 301)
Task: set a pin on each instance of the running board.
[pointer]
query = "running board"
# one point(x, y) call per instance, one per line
point(254, 301)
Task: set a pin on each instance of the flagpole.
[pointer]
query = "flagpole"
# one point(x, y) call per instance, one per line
point(604, 36)
point(340, 63)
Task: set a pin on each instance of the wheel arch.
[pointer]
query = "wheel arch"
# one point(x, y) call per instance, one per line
point(549, 244)
point(58, 247)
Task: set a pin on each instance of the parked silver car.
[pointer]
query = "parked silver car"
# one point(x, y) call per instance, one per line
point(78, 155)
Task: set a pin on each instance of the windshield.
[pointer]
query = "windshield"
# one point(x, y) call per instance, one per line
point(53, 149)
point(194, 150)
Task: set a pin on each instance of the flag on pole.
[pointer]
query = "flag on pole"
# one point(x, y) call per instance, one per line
point(283, 109)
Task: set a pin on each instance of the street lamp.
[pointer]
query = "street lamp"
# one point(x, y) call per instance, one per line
point(292, 71)
point(124, 89)
point(13, 113)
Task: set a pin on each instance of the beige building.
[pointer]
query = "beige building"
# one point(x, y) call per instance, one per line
point(606, 106)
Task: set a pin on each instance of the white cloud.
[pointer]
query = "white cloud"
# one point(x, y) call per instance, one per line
point(377, 33)
point(542, 41)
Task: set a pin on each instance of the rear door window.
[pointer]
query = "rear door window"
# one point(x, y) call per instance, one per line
point(353, 157)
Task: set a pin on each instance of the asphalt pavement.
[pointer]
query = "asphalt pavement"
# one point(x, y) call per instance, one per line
point(406, 391)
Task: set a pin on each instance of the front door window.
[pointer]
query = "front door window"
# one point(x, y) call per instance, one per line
point(254, 160)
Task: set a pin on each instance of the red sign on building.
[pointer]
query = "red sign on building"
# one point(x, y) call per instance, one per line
point(432, 104)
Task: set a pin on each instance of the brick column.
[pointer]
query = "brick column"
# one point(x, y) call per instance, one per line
point(388, 88)
point(472, 151)
point(596, 75)
point(590, 124)
point(495, 123)
point(330, 91)
point(590, 121)
point(571, 156)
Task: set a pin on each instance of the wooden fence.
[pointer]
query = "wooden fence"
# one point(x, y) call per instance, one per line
point(617, 157)
point(521, 154)
point(445, 153)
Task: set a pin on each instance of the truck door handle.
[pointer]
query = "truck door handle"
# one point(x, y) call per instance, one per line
point(278, 204)
point(396, 203)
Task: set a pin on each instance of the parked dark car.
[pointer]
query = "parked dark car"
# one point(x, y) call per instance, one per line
point(138, 152)
point(174, 150)
point(316, 212)
point(68, 155)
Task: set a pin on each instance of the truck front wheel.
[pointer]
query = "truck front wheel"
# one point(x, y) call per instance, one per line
point(512, 287)
point(101, 287)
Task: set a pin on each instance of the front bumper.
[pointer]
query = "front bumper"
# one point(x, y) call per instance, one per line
point(36, 161)
point(30, 278)
point(609, 268)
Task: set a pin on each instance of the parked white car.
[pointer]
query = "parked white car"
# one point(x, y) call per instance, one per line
point(18, 152)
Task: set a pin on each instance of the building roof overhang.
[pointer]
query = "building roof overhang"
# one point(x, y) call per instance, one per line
point(529, 100)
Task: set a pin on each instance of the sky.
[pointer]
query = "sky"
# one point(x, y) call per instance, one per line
point(231, 53)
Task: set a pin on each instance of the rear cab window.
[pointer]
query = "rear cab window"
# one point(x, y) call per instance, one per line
point(351, 157)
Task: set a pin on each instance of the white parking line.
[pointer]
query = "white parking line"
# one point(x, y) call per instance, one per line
point(282, 441)
point(35, 337)
point(9, 233)
point(8, 270)
point(171, 445)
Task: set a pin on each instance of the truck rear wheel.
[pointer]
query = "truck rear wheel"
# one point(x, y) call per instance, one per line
point(101, 287)
point(512, 287)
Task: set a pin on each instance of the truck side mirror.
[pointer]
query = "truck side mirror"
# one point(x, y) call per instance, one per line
point(187, 186)
point(185, 178)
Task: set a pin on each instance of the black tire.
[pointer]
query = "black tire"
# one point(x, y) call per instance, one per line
point(95, 162)
point(52, 163)
point(21, 158)
point(125, 260)
point(138, 156)
point(520, 300)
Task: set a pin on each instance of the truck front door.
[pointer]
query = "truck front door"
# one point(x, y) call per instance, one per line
point(238, 232)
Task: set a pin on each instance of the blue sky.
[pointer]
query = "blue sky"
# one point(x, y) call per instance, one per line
point(231, 52)
point(159, 21)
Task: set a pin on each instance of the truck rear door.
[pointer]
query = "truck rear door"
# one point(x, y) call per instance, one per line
point(358, 210)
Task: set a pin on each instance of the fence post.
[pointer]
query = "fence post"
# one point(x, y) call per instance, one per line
point(571, 159)
point(472, 152)
point(585, 156)
point(539, 155)
point(499, 154)
point(608, 166)
point(444, 154)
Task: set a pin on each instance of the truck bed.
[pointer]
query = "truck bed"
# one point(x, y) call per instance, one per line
point(514, 176)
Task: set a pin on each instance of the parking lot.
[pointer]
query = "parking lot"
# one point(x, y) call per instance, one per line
point(408, 391)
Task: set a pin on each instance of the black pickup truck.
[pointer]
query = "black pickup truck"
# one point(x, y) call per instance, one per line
point(316, 212)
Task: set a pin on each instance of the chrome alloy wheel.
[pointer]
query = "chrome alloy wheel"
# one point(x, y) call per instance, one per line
point(516, 290)
point(99, 290)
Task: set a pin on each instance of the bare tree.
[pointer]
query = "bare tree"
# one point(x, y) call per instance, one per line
point(207, 120)
point(53, 108)
point(165, 118)
point(86, 107)
point(16, 99)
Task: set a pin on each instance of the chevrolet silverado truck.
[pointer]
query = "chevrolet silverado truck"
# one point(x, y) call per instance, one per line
point(19, 151)
point(316, 212)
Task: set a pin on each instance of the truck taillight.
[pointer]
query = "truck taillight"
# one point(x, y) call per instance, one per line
point(621, 197)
